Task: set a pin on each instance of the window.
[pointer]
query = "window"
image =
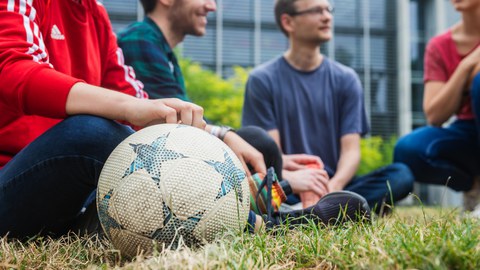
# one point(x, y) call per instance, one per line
point(417, 49)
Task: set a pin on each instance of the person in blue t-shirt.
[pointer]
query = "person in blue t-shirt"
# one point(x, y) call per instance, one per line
point(313, 108)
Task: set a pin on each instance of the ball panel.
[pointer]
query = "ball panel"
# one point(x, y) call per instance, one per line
point(186, 182)
point(136, 203)
point(130, 243)
point(229, 214)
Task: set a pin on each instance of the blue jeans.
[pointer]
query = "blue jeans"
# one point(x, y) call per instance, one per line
point(374, 188)
point(45, 185)
point(445, 156)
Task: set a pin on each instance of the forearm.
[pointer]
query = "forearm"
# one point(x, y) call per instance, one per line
point(88, 99)
point(346, 169)
point(441, 104)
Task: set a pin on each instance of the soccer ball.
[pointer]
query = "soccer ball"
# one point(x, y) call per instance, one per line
point(171, 184)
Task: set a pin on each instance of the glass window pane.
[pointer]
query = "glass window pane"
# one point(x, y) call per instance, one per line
point(266, 10)
point(349, 50)
point(201, 49)
point(238, 46)
point(273, 44)
point(347, 13)
point(378, 55)
point(377, 13)
point(238, 10)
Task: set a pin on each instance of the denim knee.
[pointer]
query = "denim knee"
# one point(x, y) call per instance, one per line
point(475, 93)
point(401, 180)
point(91, 135)
point(406, 150)
point(265, 144)
point(259, 138)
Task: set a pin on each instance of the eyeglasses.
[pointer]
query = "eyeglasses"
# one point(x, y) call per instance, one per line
point(313, 11)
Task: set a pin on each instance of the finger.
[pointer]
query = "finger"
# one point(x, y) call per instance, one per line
point(325, 174)
point(259, 166)
point(320, 176)
point(186, 115)
point(256, 161)
point(323, 187)
point(323, 180)
point(203, 125)
point(308, 159)
point(296, 166)
point(245, 167)
point(197, 117)
point(318, 189)
point(169, 114)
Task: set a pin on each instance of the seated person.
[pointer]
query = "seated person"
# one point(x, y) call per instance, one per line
point(450, 155)
point(313, 108)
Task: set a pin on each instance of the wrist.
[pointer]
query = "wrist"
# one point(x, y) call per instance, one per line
point(335, 185)
point(467, 65)
point(221, 131)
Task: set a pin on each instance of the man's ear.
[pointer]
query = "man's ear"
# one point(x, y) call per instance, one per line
point(166, 3)
point(287, 23)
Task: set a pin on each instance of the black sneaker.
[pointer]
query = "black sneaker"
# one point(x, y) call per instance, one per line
point(332, 209)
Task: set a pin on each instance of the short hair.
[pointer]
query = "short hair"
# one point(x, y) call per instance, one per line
point(148, 5)
point(283, 7)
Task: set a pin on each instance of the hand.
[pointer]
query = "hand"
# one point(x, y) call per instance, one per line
point(299, 161)
point(246, 153)
point(145, 112)
point(315, 180)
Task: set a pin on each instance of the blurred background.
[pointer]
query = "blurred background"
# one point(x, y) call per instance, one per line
point(383, 40)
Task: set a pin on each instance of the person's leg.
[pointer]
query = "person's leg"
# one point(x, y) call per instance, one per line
point(475, 94)
point(388, 184)
point(471, 198)
point(264, 143)
point(442, 156)
point(45, 186)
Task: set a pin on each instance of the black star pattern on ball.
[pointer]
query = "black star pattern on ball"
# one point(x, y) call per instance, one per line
point(175, 228)
point(151, 156)
point(232, 176)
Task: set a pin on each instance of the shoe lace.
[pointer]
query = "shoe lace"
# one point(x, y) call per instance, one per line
point(267, 183)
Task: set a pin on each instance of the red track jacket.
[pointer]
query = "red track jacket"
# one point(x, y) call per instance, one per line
point(46, 46)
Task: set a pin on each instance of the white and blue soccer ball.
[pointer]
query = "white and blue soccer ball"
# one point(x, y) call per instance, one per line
point(168, 185)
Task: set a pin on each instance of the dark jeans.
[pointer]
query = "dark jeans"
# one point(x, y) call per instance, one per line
point(262, 141)
point(44, 187)
point(374, 188)
point(445, 156)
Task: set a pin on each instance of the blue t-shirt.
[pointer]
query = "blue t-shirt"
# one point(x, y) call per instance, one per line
point(311, 110)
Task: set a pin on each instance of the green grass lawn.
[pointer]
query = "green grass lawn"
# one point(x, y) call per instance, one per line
point(410, 238)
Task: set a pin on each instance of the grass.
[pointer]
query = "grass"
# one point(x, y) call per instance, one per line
point(412, 237)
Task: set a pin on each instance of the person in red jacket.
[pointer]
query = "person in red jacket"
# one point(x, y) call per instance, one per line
point(63, 82)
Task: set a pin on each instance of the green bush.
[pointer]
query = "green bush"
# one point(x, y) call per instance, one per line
point(222, 99)
point(376, 152)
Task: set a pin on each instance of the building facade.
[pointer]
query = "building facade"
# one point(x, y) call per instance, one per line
point(383, 40)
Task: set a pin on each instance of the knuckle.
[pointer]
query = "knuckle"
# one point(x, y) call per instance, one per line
point(197, 108)
point(170, 112)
